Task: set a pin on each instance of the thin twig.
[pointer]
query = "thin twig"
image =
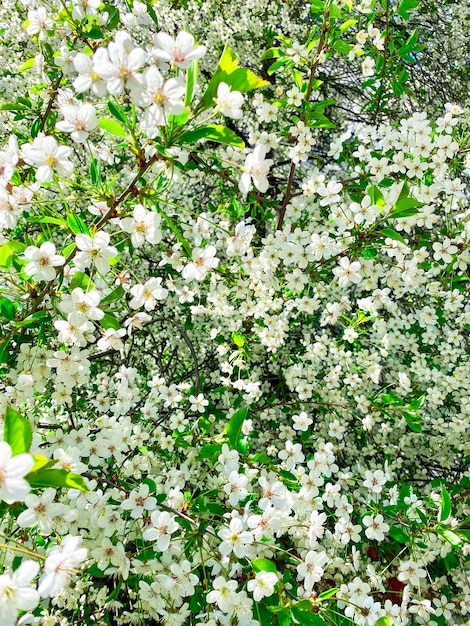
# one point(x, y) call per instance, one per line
point(321, 45)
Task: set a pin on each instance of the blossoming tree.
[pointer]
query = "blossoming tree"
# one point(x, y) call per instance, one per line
point(234, 319)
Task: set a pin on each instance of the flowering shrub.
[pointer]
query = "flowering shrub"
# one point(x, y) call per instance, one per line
point(234, 333)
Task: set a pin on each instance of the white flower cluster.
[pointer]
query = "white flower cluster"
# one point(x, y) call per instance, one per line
point(259, 367)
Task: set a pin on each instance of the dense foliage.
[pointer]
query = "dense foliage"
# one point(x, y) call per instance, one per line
point(234, 328)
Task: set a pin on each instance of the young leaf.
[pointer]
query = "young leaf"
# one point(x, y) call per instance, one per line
point(273, 53)
point(238, 339)
point(326, 595)
point(8, 308)
point(56, 478)
point(406, 6)
point(80, 279)
point(209, 450)
point(117, 112)
point(191, 81)
point(113, 127)
point(392, 234)
point(110, 321)
point(213, 132)
point(95, 173)
point(77, 225)
point(17, 431)
point(233, 429)
point(42, 463)
point(228, 72)
point(283, 617)
point(283, 62)
point(445, 504)
point(450, 536)
point(116, 294)
point(397, 534)
point(306, 618)
point(245, 80)
point(263, 565)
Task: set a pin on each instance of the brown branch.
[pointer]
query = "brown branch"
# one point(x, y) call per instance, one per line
point(287, 197)
point(160, 505)
point(110, 213)
point(463, 494)
point(321, 45)
point(50, 104)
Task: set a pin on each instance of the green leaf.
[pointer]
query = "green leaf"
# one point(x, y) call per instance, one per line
point(285, 62)
point(416, 404)
point(406, 6)
point(209, 450)
point(6, 255)
point(191, 81)
point(110, 321)
point(14, 106)
point(384, 621)
point(342, 47)
point(116, 294)
point(215, 508)
point(68, 249)
point(151, 12)
point(35, 126)
point(56, 478)
point(376, 196)
point(446, 505)
point(113, 127)
point(397, 534)
point(77, 225)
point(228, 61)
point(392, 234)
point(113, 17)
point(273, 53)
point(5, 352)
point(179, 120)
point(8, 308)
point(346, 25)
point(48, 219)
point(405, 207)
point(463, 533)
point(261, 457)
point(390, 399)
point(326, 595)
point(95, 572)
point(297, 76)
point(238, 339)
point(396, 213)
point(263, 565)
point(213, 132)
point(95, 173)
point(79, 279)
point(33, 319)
point(27, 65)
point(245, 80)
point(119, 113)
point(115, 592)
point(413, 421)
point(42, 463)
point(233, 430)
point(238, 79)
point(283, 617)
point(17, 431)
point(94, 33)
point(307, 619)
point(450, 536)
point(17, 246)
